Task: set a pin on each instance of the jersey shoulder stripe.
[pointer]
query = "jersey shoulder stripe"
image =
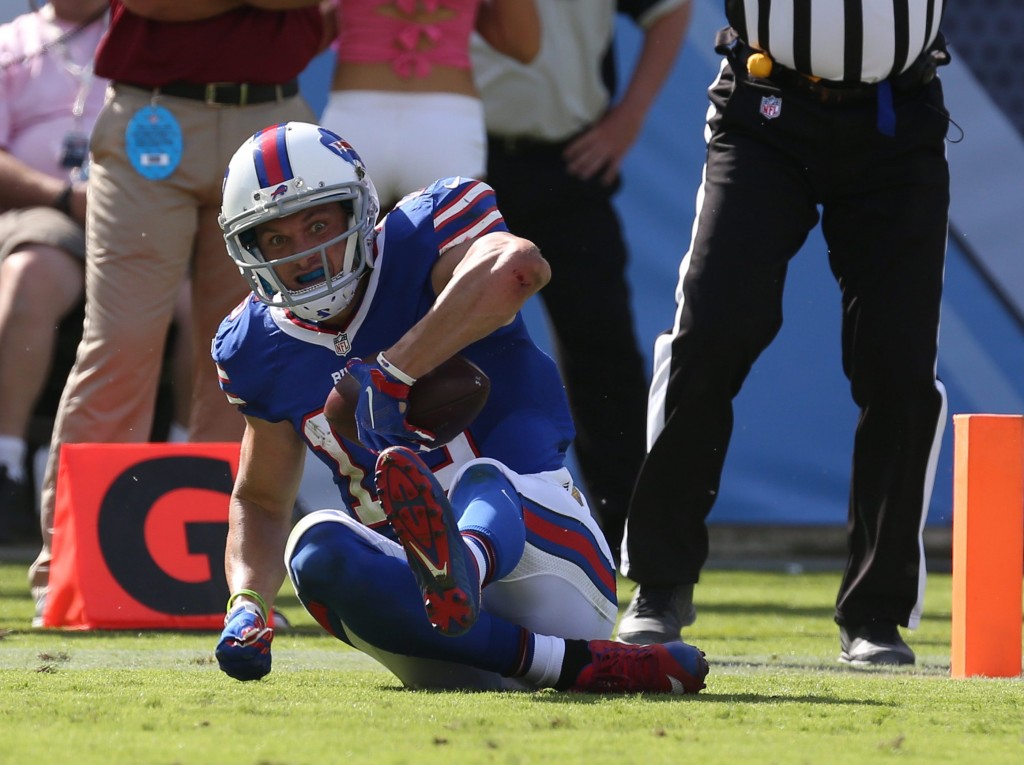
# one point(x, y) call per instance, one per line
point(464, 209)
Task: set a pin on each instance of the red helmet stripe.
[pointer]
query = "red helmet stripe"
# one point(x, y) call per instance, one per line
point(271, 157)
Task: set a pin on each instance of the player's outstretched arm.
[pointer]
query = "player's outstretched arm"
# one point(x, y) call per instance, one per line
point(259, 520)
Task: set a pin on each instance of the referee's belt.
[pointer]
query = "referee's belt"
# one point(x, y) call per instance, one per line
point(758, 66)
point(221, 93)
point(833, 93)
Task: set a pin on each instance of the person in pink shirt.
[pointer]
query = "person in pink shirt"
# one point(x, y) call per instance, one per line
point(49, 99)
point(403, 90)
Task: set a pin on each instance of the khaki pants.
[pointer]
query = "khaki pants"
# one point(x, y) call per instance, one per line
point(143, 238)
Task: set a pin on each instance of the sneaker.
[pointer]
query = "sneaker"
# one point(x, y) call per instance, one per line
point(424, 523)
point(872, 644)
point(18, 519)
point(39, 596)
point(661, 668)
point(279, 621)
point(657, 614)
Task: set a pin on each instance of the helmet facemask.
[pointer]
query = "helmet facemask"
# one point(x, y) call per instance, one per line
point(323, 170)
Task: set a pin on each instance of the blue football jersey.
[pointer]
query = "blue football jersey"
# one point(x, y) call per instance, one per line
point(278, 367)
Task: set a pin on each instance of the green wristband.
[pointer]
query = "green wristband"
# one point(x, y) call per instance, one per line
point(250, 594)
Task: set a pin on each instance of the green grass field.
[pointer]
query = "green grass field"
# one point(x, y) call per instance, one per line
point(776, 694)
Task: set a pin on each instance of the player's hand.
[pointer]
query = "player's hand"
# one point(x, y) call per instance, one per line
point(244, 648)
point(383, 404)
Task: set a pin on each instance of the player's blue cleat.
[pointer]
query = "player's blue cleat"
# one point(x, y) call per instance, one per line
point(660, 668)
point(424, 523)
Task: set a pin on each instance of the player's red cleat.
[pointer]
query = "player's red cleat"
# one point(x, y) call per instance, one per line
point(424, 523)
point(624, 668)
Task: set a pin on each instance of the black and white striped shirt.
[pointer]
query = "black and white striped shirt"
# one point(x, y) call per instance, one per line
point(847, 40)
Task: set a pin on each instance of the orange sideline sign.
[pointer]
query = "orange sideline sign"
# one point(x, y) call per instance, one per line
point(139, 536)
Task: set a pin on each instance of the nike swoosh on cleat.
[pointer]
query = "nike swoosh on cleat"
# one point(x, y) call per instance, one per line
point(435, 572)
point(676, 684)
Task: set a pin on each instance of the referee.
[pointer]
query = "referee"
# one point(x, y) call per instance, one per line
point(831, 105)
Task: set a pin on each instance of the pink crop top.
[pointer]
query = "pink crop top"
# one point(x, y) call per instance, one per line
point(411, 35)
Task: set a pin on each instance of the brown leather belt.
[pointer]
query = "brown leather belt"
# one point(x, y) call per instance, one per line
point(222, 93)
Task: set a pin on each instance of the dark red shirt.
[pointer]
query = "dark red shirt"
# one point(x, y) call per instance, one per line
point(243, 45)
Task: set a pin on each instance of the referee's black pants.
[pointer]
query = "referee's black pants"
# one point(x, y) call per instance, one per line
point(587, 301)
point(884, 203)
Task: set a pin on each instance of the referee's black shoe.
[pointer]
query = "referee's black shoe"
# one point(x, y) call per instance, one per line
point(873, 644)
point(657, 614)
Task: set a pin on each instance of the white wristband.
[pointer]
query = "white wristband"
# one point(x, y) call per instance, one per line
point(394, 371)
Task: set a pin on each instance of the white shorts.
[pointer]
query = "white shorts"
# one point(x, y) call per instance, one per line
point(409, 140)
point(545, 592)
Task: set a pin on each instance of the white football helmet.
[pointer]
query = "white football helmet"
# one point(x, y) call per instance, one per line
point(281, 170)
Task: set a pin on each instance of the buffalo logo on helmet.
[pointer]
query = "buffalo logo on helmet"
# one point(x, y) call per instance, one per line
point(342, 148)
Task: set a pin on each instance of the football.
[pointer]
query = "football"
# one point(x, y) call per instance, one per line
point(444, 401)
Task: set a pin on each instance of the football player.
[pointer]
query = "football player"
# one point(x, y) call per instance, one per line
point(469, 564)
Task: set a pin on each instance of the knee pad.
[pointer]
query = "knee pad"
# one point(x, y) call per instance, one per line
point(326, 547)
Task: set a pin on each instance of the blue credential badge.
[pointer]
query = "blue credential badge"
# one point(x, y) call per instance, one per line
point(153, 142)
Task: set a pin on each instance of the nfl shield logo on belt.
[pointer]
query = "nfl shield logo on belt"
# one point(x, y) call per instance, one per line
point(771, 107)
